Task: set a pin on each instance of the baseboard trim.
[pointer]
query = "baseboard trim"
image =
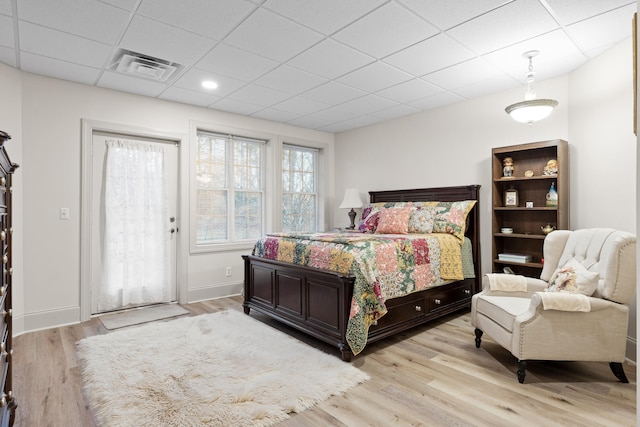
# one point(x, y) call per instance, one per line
point(213, 292)
point(45, 320)
point(632, 349)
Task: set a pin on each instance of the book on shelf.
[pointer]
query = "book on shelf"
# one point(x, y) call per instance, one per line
point(514, 257)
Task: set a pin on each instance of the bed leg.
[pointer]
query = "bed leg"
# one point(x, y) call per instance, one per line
point(246, 310)
point(346, 355)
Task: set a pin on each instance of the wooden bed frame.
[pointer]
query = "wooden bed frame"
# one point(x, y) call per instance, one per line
point(318, 302)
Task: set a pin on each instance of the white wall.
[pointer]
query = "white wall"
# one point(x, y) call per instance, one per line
point(452, 146)
point(51, 142)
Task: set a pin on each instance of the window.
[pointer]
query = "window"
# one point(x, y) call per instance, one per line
point(229, 188)
point(299, 188)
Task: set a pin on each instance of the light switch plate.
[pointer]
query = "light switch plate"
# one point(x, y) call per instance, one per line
point(64, 213)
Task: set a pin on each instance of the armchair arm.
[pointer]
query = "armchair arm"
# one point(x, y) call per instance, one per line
point(533, 285)
point(597, 335)
point(561, 301)
point(595, 304)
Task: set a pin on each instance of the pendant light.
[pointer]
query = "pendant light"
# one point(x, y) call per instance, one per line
point(532, 109)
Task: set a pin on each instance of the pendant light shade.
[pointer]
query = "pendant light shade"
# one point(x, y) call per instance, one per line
point(531, 109)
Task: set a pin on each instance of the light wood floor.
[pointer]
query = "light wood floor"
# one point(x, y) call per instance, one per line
point(431, 376)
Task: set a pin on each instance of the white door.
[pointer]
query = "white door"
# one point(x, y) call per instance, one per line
point(99, 148)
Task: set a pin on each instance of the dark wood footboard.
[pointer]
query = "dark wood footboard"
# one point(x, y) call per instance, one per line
point(314, 301)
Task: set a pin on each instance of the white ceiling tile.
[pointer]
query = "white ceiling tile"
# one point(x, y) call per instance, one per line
point(215, 18)
point(193, 79)
point(275, 115)
point(5, 7)
point(409, 91)
point(445, 14)
point(116, 81)
point(259, 95)
point(6, 31)
point(301, 105)
point(187, 96)
point(330, 59)
point(554, 48)
point(87, 18)
point(374, 77)
point(509, 24)
point(334, 114)
point(60, 69)
point(368, 104)
point(486, 87)
point(63, 46)
point(290, 80)
point(435, 101)
point(163, 41)
point(394, 112)
point(326, 16)
point(268, 34)
point(123, 4)
point(308, 122)
point(333, 93)
point(597, 34)
point(8, 56)
point(235, 106)
point(236, 63)
point(464, 74)
point(386, 30)
point(572, 11)
point(433, 54)
point(353, 123)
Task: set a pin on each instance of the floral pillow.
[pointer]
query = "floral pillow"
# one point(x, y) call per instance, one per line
point(452, 216)
point(394, 221)
point(573, 278)
point(371, 215)
point(422, 219)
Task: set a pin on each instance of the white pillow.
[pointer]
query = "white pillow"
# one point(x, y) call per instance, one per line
point(573, 278)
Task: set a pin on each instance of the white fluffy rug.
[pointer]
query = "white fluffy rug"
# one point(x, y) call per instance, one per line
point(218, 369)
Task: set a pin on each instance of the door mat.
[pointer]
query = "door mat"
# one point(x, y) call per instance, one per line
point(141, 315)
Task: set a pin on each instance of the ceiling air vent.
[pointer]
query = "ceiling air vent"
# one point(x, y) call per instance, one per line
point(144, 66)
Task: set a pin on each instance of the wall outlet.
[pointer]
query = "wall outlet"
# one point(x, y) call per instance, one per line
point(228, 272)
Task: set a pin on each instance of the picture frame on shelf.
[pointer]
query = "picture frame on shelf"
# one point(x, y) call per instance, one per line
point(511, 197)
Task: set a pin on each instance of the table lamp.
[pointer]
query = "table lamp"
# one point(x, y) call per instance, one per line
point(351, 201)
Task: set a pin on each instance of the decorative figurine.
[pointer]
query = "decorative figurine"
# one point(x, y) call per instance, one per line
point(552, 196)
point(507, 170)
point(547, 228)
point(528, 173)
point(551, 168)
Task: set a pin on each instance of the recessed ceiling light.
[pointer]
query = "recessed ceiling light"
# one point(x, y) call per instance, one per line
point(209, 84)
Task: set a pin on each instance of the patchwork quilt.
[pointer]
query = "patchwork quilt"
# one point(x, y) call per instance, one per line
point(384, 266)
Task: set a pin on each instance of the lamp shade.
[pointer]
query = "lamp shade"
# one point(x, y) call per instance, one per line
point(351, 199)
point(532, 110)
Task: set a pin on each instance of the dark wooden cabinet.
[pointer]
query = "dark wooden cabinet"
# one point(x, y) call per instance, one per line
point(525, 210)
point(7, 400)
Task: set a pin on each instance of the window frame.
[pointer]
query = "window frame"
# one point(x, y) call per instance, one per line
point(316, 162)
point(228, 244)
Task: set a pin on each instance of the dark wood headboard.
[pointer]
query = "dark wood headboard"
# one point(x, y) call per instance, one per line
point(442, 194)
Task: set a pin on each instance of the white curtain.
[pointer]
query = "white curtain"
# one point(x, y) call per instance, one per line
point(135, 265)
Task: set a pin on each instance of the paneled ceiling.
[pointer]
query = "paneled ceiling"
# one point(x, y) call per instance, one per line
point(331, 65)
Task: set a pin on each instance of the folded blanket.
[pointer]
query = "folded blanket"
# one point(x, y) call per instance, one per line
point(507, 282)
point(564, 301)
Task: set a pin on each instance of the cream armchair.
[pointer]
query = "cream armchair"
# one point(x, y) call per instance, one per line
point(537, 325)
